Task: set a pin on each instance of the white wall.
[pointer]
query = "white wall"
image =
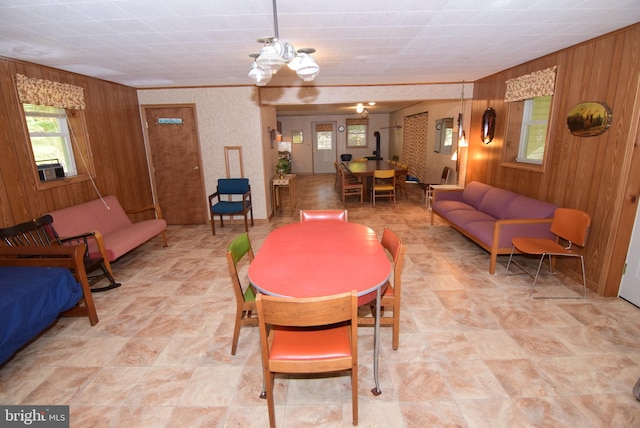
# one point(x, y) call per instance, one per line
point(228, 116)
point(233, 116)
point(302, 154)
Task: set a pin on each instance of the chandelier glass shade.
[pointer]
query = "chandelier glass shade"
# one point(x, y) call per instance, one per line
point(275, 53)
point(260, 75)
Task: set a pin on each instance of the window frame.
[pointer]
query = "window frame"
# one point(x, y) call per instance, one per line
point(514, 135)
point(64, 134)
point(79, 143)
point(350, 123)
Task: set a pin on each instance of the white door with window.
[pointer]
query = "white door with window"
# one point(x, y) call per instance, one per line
point(630, 285)
point(324, 147)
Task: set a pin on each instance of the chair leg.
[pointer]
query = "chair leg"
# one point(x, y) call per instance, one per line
point(396, 329)
point(533, 284)
point(270, 377)
point(112, 282)
point(354, 394)
point(584, 279)
point(236, 331)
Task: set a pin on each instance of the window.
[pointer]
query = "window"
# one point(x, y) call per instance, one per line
point(526, 134)
point(49, 134)
point(55, 129)
point(357, 132)
point(529, 100)
point(533, 133)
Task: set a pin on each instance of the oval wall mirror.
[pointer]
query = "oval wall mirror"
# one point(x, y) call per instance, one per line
point(488, 125)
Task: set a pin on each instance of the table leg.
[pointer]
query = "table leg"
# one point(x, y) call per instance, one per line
point(376, 345)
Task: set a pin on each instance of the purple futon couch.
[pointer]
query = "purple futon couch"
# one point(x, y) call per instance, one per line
point(491, 217)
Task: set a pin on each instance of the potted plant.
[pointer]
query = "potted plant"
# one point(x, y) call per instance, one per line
point(282, 167)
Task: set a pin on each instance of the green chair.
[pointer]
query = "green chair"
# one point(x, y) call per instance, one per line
point(245, 299)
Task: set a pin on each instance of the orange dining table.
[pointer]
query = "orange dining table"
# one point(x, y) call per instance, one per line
point(322, 258)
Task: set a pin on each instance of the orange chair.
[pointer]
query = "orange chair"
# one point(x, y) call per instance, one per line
point(309, 335)
point(391, 296)
point(569, 225)
point(245, 299)
point(307, 215)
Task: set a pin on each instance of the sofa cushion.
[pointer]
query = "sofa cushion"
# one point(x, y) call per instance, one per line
point(107, 217)
point(124, 240)
point(525, 207)
point(496, 202)
point(474, 192)
point(463, 218)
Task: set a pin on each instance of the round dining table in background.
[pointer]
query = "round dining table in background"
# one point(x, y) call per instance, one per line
point(322, 258)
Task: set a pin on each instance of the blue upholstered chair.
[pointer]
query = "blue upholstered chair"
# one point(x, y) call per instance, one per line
point(232, 197)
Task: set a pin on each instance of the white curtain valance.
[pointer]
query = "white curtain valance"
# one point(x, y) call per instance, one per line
point(536, 84)
point(48, 93)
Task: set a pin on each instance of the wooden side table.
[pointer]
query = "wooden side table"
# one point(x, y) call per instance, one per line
point(432, 187)
point(288, 181)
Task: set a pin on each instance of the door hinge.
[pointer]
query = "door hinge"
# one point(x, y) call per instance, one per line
point(624, 269)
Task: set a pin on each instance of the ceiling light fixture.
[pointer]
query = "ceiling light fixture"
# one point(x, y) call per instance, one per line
point(275, 53)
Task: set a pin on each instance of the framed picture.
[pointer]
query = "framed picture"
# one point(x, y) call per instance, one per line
point(296, 136)
point(589, 119)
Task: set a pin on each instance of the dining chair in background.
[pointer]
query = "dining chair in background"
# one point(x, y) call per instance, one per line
point(384, 185)
point(311, 215)
point(245, 298)
point(570, 226)
point(221, 202)
point(350, 187)
point(426, 187)
point(309, 335)
point(401, 179)
point(391, 296)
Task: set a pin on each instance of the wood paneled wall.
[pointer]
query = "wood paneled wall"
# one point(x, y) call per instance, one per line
point(601, 174)
point(116, 141)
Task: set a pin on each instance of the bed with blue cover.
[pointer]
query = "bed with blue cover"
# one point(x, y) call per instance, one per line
point(35, 293)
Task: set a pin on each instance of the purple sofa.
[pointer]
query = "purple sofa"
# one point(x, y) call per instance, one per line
point(491, 217)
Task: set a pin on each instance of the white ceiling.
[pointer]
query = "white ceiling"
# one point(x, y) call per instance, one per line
point(178, 43)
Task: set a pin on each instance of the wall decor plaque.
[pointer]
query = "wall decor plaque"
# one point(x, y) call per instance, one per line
point(589, 119)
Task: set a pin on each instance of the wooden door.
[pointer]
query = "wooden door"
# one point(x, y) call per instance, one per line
point(176, 165)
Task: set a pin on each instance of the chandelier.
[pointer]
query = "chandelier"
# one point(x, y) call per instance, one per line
point(275, 53)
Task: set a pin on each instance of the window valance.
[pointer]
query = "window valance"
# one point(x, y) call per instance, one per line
point(324, 127)
point(48, 93)
point(357, 122)
point(536, 84)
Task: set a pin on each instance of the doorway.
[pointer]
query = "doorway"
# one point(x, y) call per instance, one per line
point(324, 147)
point(630, 284)
point(175, 163)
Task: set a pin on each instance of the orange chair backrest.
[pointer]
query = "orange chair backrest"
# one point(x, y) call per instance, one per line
point(306, 215)
point(571, 224)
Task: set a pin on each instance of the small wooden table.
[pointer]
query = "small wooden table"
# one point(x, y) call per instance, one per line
point(288, 181)
point(322, 258)
point(429, 191)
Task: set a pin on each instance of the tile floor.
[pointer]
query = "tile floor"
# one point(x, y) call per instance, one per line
point(475, 350)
